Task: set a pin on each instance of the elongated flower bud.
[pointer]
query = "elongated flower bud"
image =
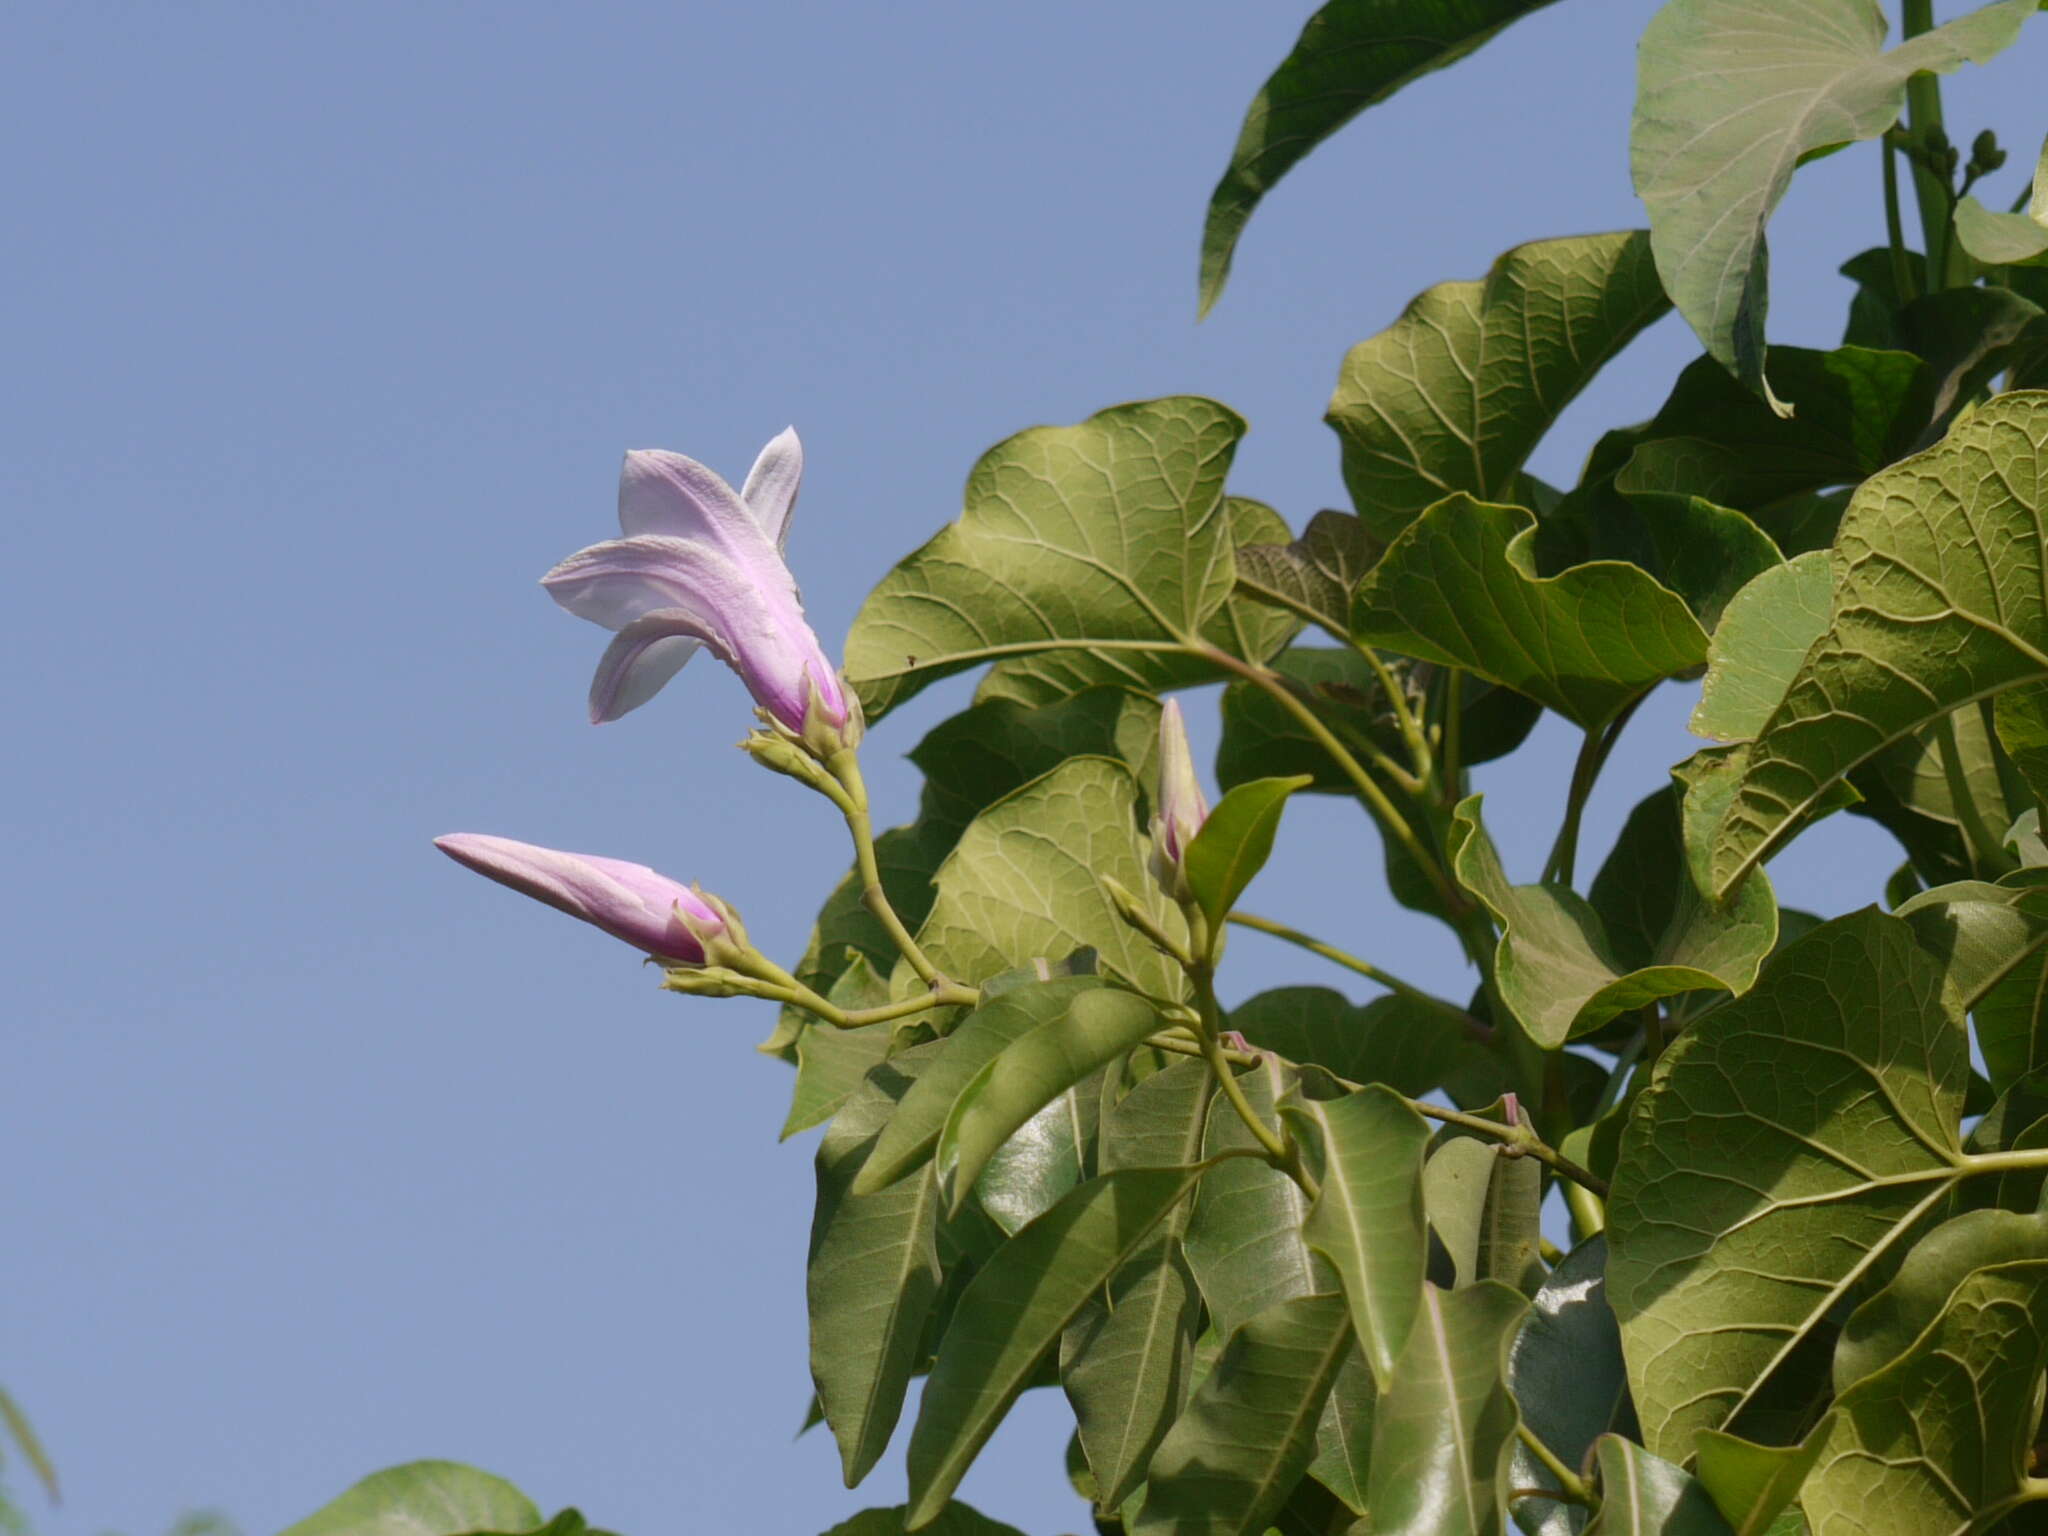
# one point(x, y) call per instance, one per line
point(1179, 808)
point(628, 901)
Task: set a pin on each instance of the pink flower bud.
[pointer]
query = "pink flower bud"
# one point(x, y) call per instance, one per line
point(628, 901)
point(1179, 809)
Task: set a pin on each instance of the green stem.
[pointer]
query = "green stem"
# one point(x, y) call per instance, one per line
point(1280, 1150)
point(1987, 852)
point(1404, 717)
point(1923, 112)
point(1571, 1488)
point(845, 767)
point(1392, 822)
point(1593, 752)
point(1521, 1139)
point(1451, 764)
point(1894, 226)
point(1472, 1027)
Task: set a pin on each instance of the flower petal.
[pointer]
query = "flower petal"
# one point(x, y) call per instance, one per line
point(628, 901)
point(641, 658)
point(770, 491)
point(615, 582)
point(666, 493)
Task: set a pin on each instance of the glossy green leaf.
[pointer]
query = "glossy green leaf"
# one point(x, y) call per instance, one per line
point(1038, 1163)
point(1025, 881)
point(1938, 1387)
point(1565, 1370)
point(1937, 602)
point(912, 1132)
point(1014, 1311)
point(1352, 54)
point(1244, 1239)
point(1244, 625)
point(423, 1498)
point(1485, 1209)
point(1314, 576)
point(1753, 1484)
point(1109, 534)
point(1098, 1025)
point(1126, 1362)
point(1559, 970)
point(1446, 1420)
point(1460, 587)
point(1763, 638)
point(1731, 96)
point(1455, 394)
point(1233, 845)
point(1645, 1495)
point(873, 1272)
point(1343, 1460)
point(1249, 1432)
point(1789, 1144)
point(956, 1519)
point(1410, 1045)
point(1367, 1219)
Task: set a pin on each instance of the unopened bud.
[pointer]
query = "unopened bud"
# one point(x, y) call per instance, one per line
point(708, 981)
point(1179, 809)
point(781, 753)
point(1127, 905)
point(1985, 155)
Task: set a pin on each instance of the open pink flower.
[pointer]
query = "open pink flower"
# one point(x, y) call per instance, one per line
point(628, 901)
point(701, 564)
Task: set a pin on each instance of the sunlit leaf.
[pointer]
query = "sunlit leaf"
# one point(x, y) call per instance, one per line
point(1235, 842)
point(423, 1498)
point(1352, 54)
point(1641, 1494)
point(1731, 96)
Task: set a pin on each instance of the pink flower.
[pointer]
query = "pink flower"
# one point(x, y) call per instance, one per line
point(628, 901)
point(701, 564)
point(1180, 809)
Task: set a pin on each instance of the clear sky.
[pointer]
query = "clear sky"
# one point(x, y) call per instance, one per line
point(325, 326)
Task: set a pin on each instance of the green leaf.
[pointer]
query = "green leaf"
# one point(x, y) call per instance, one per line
point(1126, 1363)
point(1262, 740)
point(1233, 845)
point(1455, 394)
point(1110, 534)
point(1992, 942)
point(1314, 576)
point(423, 1498)
point(1938, 573)
point(28, 1442)
point(1099, 1025)
point(1763, 638)
point(1788, 1146)
point(2008, 239)
point(1565, 1370)
point(1704, 552)
point(1015, 1309)
point(1343, 1462)
point(830, 1063)
point(1752, 1484)
point(1938, 1386)
point(1641, 1493)
point(2021, 720)
point(1446, 1420)
point(1245, 625)
point(1408, 1044)
point(1731, 96)
point(1367, 1220)
point(970, 761)
point(1460, 587)
point(1485, 1209)
point(1351, 55)
point(1249, 1433)
point(912, 1132)
point(873, 1272)
point(1244, 1239)
point(1560, 972)
point(956, 1519)
point(1024, 881)
point(1039, 1162)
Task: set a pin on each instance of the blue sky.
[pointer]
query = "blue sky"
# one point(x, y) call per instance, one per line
point(328, 324)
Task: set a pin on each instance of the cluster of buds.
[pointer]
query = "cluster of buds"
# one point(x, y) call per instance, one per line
point(698, 565)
